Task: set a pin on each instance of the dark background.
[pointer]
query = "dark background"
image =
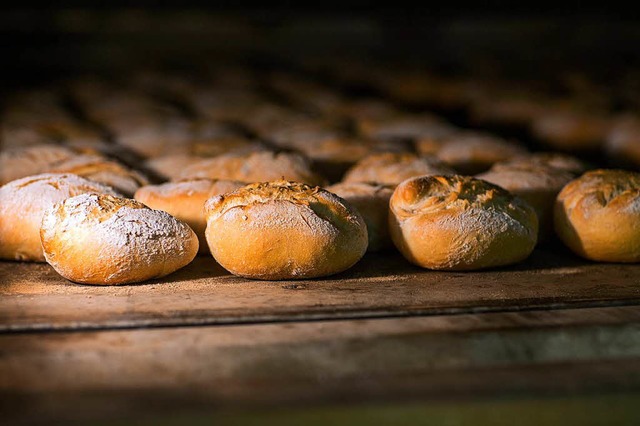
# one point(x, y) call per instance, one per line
point(44, 43)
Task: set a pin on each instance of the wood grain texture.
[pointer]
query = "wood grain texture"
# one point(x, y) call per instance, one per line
point(34, 297)
point(445, 357)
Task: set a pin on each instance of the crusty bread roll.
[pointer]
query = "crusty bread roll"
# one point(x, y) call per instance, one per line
point(623, 141)
point(20, 136)
point(372, 201)
point(333, 157)
point(460, 223)
point(474, 152)
point(537, 185)
point(506, 107)
point(284, 230)
point(185, 200)
point(598, 216)
point(21, 162)
point(564, 162)
point(170, 167)
point(571, 130)
point(100, 169)
point(254, 167)
point(403, 126)
point(101, 239)
point(22, 204)
point(392, 168)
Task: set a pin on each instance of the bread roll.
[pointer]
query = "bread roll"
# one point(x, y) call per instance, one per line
point(507, 108)
point(537, 185)
point(22, 204)
point(32, 160)
point(598, 216)
point(185, 200)
point(284, 230)
point(372, 201)
point(170, 167)
point(571, 130)
point(333, 157)
point(564, 162)
point(100, 169)
point(392, 168)
point(460, 223)
point(254, 167)
point(401, 127)
point(623, 141)
point(101, 239)
point(472, 152)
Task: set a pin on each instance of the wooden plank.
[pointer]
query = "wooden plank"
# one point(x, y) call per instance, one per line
point(34, 297)
point(421, 358)
point(314, 351)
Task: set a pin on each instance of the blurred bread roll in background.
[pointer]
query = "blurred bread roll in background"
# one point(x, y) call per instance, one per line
point(474, 152)
point(622, 144)
point(557, 160)
point(17, 163)
point(254, 167)
point(391, 168)
point(102, 170)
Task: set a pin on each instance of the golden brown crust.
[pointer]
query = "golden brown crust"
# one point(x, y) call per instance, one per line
point(537, 185)
point(106, 240)
point(471, 152)
point(284, 230)
point(102, 170)
point(21, 162)
point(571, 130)
point(23, 203)
point(564, 162)
point(623, 141)
point(460, 223)
point(254, 167)
point(372, 201)
point(598, 216)
point(185, 200)
point(392, 168)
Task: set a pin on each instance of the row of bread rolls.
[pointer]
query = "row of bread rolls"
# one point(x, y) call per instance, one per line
point(378, 160)
point(289, 230)
point(573, 114)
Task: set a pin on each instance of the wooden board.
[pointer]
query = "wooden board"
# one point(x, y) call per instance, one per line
point(34, 297)
point(445, 357)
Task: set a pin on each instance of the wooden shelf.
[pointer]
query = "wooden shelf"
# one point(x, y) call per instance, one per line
point(384, 331)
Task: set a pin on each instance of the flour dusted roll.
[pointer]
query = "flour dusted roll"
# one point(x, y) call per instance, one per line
point(598, 216)
point(460, 223)
point(284, 230)
point(537, 185)
point(101, 239)
point(185, 200)
point(372, 201)
point(23, 203)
